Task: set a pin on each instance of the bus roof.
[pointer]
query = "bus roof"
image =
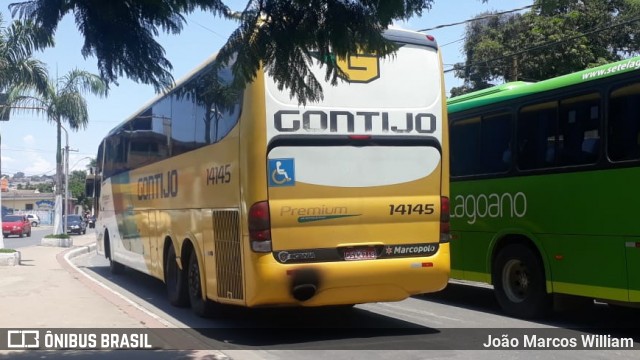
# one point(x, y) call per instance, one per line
point(393, 34)
point(518, 89)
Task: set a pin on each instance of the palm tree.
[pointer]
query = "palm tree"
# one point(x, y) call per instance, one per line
point(17, 66)
point(276, 34)
point(63, 101)
point(91, 166)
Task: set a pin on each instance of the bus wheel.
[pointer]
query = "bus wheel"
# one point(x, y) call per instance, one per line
point(175, 280)
point(519, 282)
point(200, 306)
point(114, 267)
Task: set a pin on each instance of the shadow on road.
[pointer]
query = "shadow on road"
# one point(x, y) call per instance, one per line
point(569, 312)
point(291, 328)
point(354, 328)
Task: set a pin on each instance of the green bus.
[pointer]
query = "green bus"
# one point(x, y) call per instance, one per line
point(545, 178)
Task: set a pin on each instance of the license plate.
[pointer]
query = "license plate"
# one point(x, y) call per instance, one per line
point(366, 253)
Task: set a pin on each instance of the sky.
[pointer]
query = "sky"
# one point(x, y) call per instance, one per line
point(28, 140)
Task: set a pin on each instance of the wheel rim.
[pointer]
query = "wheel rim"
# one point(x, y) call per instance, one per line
point(516, 281)
point(194, 280)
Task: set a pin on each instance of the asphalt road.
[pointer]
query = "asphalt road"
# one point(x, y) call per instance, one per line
point(37, 233)
point(14, 242)
point(427, 326)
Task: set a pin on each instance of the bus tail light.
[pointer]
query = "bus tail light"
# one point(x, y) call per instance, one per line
point(260, 227)
point(360, 137)
point(445, 229)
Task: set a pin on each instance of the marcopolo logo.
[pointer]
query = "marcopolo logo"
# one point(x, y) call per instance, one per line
point(473, 207)
point(411, 250)
point(284, 256)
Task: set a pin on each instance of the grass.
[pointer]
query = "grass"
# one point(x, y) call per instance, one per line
point(7, 251)
point(57, 236)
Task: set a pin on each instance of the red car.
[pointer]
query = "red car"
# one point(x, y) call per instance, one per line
point(17, 225)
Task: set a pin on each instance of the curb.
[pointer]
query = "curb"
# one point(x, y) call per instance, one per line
point(80, 250)
point(57, 242)
point(128, 306)
point(10, 259)
point(146, 317)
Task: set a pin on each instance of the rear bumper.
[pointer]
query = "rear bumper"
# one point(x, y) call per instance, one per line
point(12, 232)
point(347, 282)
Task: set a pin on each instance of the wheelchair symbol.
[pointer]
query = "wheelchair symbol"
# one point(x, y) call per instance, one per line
point(279, 175)
point(282, 172)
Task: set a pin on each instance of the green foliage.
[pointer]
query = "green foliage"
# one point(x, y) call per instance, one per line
point(120, 33)
point(276, 34)
point(45, 188)
point(280, 35)
point(93, 163)
point(63, 101)
point(76, 188)
point(18, 42)
point(7, 251)
point(57, 236)
point(555, 38)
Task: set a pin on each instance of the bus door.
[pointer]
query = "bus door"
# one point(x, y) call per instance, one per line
point(632, 247)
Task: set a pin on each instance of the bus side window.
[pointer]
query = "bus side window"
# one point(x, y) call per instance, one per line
point(537, 136)
point(496, 143)
point(580, 124)
point(624, 119)
point(115, 161)
point(183, 122)
point(465, 146)
point(573, 136)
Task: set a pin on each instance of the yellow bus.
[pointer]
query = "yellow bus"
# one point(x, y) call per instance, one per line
point(248, 198)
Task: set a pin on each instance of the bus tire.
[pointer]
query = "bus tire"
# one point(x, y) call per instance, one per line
point(519, 282)
point(200, 305)
point(175, 280)
point(114, 267)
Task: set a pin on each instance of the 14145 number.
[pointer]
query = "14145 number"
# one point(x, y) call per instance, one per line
point(408, 209)
point(219, 175)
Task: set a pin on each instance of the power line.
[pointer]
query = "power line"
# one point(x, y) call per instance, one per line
point(478, 18)
point(553, 43)
point(206, 28)
point(453, 42)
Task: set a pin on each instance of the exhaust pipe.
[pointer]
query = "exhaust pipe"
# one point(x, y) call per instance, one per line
point(303, 292)
point(305, 284)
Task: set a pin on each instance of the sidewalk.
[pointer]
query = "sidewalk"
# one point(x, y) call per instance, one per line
point(47, 291)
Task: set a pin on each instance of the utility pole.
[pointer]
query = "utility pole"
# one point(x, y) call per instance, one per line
point(59, 227)
point(66, 181)
point(4, 116)
point(1, 215)
point(66, 185)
